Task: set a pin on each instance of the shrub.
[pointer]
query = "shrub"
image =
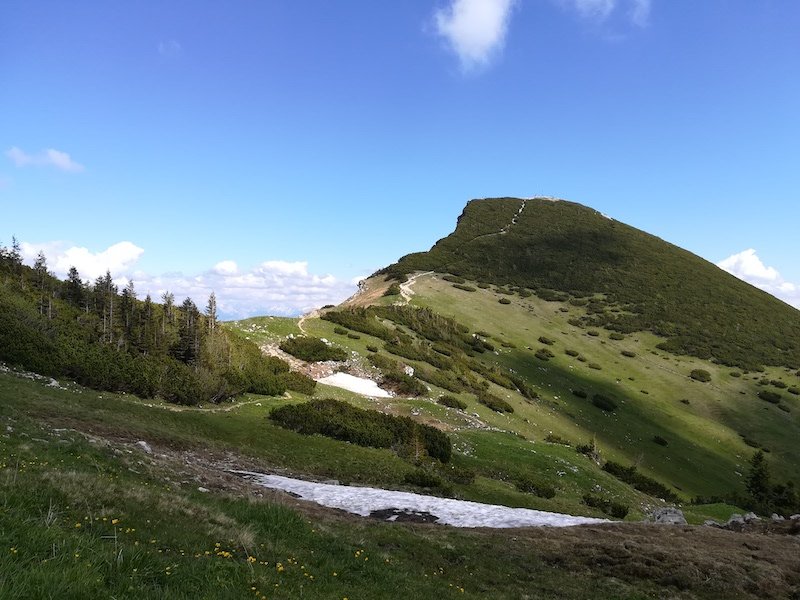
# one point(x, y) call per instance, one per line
point(363, 427)
point(571, 352)
point(604, 403)
point(593, 333)
point(371, 348)
point(493, 402)
point(784, 408)
point(640, 482)
point(580, 393)
point(312, 349)
point(580, 358)
point(700, 375)
point(778, 384)
point(544, 354)
point(525, 483)
point(465, 288)
point(615, 335)
point(504, 301)
point(660, 440)
point(340, 330)
point(552, 438)
point(297, 382)
point(628, 353)
point(609, 507)
point(459, 475)
point(685, 401)
point(735, 374)
point(452, 402)
point(595, 366)
point(454, 279)
point(794, 390)
point(546, 340)
point(422, 478)
point(392, 290)
point(484, 286)
point(771, 397)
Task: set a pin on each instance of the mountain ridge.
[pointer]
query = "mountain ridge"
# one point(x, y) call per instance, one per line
point(647, 283)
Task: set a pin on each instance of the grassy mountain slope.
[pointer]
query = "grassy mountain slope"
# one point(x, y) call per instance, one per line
point(645, 283)
point(86, 514)
point(697, 438)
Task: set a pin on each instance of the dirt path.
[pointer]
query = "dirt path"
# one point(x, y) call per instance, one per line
point(406, 291)
point(310, 315)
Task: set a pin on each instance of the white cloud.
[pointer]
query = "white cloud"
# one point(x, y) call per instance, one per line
point(474, 29)
point(170, 48)
point(226, 267)
point(118, 259)
point(640, 12)
point(637, 13)
point(273, 287)
point(747, 266)
point(46, 158)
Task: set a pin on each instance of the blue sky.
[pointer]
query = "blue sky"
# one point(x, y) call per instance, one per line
point(275, 151)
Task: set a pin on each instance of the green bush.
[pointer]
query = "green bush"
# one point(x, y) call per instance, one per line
point(735, 374)
point(525, 483)
point(593, 333)
point(297, 382)
point(660, 440)
point(454, 279)
point(452, 402)
point(604, 403)
point(544, 354)
point(546, 340)
point(424, 479)
point(778, 384)
point(363, 427)
point(553, 438)
point(700, 375)
point(794, 390)
point(595, 366)
point(340, 330)
point(640, 482)
point(614, 509)
point(371, 348)
point(504, 301)
point(312, 349)
point(628, 353)
point(771, 397)
point(464, 288)
point(580, 393)
point(392, 290)
point(353, 336)
point(495, 403)
point(615, 335)
point(571, 352)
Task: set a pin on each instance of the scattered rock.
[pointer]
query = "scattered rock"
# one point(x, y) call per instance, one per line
point(403, 516)
point(668, 516)
point(144, 446)
point(203, 490)
point(713, 523)
point(776, 518)
point(795, 517)
point(750, 517)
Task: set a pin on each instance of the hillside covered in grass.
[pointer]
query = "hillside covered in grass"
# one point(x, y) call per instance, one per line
point(630, 280)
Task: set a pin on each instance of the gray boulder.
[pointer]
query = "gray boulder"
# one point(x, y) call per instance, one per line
point(668, 515)
point(776, 518)
point(144, 446)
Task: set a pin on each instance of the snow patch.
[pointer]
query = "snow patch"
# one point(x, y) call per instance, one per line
point(458, 513)
point(359, 385)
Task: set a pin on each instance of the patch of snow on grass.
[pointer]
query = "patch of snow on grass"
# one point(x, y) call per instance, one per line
point(359, 385)
point(458, 513)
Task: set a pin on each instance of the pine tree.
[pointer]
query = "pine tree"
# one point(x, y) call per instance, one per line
point(211, 313)
point(74, 288)
point(758, 480)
